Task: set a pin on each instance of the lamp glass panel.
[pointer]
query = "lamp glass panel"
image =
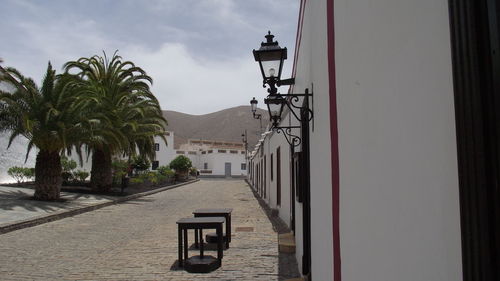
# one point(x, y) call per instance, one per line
point(275, 110)
point(271, 68)
point(254, 106)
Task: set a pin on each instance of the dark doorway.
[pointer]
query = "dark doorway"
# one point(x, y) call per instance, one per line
point(227, 168)
point(278, 177)
point(476, 78)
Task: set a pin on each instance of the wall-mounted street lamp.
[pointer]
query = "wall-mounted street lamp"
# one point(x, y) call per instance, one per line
point(253, 104)
point(244, 139)
point(270, 57)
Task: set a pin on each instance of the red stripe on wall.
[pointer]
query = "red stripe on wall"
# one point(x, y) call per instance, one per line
point(334, 139)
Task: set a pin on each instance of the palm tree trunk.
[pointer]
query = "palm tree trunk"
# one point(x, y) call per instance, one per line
point(101, 175)
point(48, 175)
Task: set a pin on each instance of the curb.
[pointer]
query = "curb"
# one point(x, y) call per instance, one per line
point(73, 212)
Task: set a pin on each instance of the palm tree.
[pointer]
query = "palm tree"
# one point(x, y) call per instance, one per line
point(48, 117)
point(130, 114)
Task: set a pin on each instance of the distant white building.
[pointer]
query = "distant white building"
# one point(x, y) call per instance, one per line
point(215, 158)
point(164, 152)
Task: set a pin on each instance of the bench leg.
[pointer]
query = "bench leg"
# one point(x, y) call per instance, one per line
point(196, 238)
point(179, 240)
point(201, 243)
point(228, 230)
point(185, 244)
point(220, 238)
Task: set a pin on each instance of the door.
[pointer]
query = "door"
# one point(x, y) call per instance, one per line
point(475, 29)
point(227, 169)
point(278, 177)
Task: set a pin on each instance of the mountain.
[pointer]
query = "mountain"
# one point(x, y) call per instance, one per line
point(226, 125)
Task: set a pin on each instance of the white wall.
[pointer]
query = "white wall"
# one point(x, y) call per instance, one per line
point(312, 73)
point(166, 152)
point(399, 209)
point(219, 159)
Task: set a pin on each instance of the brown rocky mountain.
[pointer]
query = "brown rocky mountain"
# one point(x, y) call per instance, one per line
point(225, 125)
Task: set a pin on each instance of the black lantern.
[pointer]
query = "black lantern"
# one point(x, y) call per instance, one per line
point(275, 104)
point(253, 104)
point(270, 57)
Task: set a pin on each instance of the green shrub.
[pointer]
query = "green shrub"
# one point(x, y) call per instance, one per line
point(136, 180)
point(120, 169)
point(21, 174)
point(181, 164)
point(29, 173)
point(67, 165)
point(153, 177)
point(165, 171)
point(81, 175)
point(193, 171)
point(140, 163)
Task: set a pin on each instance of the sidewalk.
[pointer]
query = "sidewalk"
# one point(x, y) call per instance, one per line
point(18, 209)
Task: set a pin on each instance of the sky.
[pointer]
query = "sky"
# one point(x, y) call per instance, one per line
point(198, 52)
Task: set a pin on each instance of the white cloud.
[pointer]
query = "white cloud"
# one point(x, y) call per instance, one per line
point(185, 84)
point(198, 52)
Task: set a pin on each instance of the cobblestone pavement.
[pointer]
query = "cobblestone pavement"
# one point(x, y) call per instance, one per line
point(137, 240)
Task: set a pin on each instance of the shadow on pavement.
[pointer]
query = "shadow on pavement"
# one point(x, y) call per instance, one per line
point(12, 199)
point(287, 267)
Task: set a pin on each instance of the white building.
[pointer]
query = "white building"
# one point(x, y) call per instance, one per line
point(164, 152)
point(397, 174)
point(215, 158)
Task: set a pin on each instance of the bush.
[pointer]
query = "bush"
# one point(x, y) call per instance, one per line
point(81, 175)
point(193, 171)
point(136, 180)
point(181, 164)
point(165, 171)
point(140, 163)
point(153, 177)
point(120, 169)
point(29, 173)
point(67, 165)
point(21, 174)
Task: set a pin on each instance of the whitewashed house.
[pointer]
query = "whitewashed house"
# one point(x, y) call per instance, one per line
point(396, 176)
point(215, 158)
point(165, 152)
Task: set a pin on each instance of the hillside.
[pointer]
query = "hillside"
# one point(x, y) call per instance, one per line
point(227, 124)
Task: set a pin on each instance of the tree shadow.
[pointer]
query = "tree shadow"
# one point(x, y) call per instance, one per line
point(11, 199)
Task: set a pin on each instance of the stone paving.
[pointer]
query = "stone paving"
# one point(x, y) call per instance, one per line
point(16, 204)
point(137, 240)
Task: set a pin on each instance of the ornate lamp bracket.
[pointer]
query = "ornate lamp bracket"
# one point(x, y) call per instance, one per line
point(293, 140)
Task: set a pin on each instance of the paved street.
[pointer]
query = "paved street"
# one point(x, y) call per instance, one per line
point(137, 240)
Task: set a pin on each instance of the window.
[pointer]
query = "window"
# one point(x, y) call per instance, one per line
point(272, 167)
point(157, 146)
point(243, 166)
point(203, 152)
point(180, 152)
point(154, 165)
point(210, 151)
point(222, 151)
point(233, 151)
point(265, 179)
point(205, 166)
point(192, 152)
point(278, 177)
